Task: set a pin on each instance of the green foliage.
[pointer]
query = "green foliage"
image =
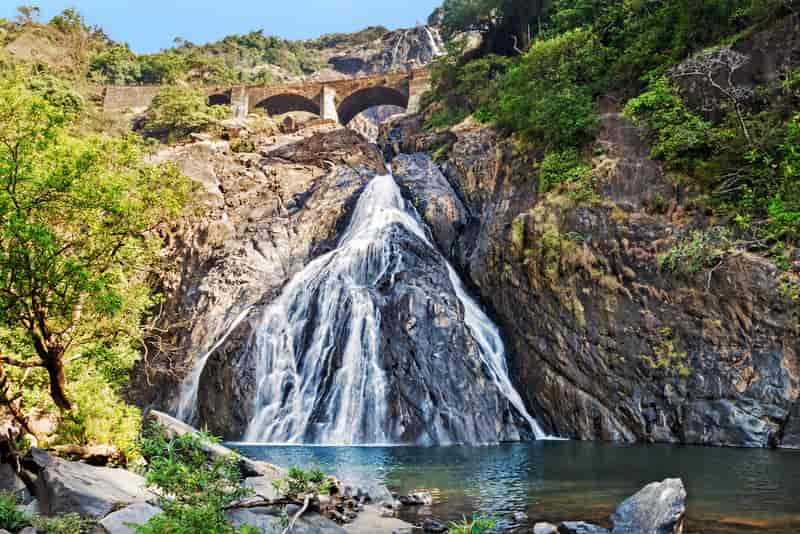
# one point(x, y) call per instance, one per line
point(11, 519)
point(111, 422)
point(562, 166)
point(58, 93)
point(502, 17)
point(179, 110)
point(76, 242)
point(464, 89)
point(547, 98)
point(679, 136)
point(297, 483)
point(69, 21)
point(666, 357)
point(703, 249)
point(64, 524)
point(116, 64)
point(194, 488)
point(479, 524)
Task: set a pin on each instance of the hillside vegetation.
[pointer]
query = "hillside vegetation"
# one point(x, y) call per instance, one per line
point(738, 151)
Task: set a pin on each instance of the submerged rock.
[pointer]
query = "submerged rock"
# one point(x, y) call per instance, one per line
point(579, 527)
point(545, 528)
point(658, 508)
point(433, 526)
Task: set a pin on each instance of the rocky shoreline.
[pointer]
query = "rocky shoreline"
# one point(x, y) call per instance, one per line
point(115, 499)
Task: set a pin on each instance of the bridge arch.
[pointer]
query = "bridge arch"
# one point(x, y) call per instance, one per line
point(288, 102)
point(220, 99)
point(370, 97)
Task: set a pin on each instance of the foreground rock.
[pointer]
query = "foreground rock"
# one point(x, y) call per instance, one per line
point(270, 519)
point(659, 508)
point(92, 492)
point(135, 514)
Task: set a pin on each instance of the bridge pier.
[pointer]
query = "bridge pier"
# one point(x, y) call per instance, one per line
point(240, 102)
point(327, 104)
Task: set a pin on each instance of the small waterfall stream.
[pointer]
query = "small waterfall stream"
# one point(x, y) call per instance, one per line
point(319, 372)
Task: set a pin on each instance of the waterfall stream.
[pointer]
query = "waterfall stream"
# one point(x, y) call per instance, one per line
point(319, 373)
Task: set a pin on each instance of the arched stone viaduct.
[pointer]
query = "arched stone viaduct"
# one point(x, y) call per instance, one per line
point(339, 100)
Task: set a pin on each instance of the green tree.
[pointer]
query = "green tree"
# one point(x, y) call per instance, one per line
point(515, 16)
point(548, 97)
point(116, 64)
point(179, 110)
point(77, 236)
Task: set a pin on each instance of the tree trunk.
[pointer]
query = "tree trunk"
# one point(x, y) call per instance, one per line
point(58, 380)
point(11, 405)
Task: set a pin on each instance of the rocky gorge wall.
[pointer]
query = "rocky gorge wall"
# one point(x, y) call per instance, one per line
point(258, 219)
point(605, 345)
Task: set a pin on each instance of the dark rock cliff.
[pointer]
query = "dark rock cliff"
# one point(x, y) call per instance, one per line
point(605, 345)
point(259, 219)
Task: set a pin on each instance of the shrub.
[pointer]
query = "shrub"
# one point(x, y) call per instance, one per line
point(299, 482)
point(703, 249)
point(110, 422)
point(11, 519)
point(479, 524)
point(679, 136)
point(179, 110)
point(559, 166)
point(194, 488)
point(548, 96)
point(64, 524)
point(116, 64)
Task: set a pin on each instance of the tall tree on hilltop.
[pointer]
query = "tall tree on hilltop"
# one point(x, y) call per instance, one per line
point(517, 17)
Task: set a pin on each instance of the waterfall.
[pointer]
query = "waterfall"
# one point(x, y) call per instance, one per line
point(436, 49)
point(187, 401)
point(317, 348)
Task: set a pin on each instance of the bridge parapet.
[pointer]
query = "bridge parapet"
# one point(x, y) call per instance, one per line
point(327, 98)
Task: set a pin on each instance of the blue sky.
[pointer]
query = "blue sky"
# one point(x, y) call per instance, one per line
point(149, 25)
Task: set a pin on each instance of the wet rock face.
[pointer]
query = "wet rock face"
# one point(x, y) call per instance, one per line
point(260, 219)
point(440, 392)
point(433, 196)
point(604, 344)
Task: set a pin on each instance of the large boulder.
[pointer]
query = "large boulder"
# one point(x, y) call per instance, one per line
point(120, 521)
point(94, 492)
point(658, 508)
point(249, 468)
point(11, 483)
point(791, 431)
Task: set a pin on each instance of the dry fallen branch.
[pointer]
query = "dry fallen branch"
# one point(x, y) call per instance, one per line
point(302, 510)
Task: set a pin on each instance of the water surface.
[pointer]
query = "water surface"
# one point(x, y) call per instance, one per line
point(731, 491)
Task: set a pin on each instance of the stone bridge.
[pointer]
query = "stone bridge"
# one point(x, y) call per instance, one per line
point(338, 100)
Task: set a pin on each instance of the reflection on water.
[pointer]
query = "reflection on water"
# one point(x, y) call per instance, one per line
point(730, 490)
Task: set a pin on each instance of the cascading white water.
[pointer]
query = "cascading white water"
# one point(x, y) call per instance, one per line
point(187, 402)
point(317, 347)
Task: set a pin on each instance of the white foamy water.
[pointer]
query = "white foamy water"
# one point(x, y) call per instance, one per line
point(318, 369)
